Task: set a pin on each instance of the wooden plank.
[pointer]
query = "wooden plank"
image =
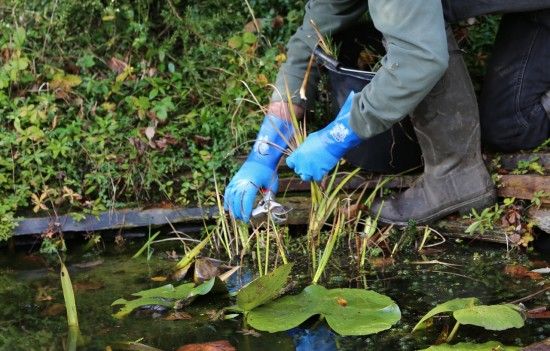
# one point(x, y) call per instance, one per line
point(510, 161)
point(519, 186)
point(454, 228)
point(129, 218)
point(524, 186)
point(540, 217)
point(294, 184)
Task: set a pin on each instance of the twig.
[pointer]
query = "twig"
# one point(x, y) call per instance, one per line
point(435, 262)
point(460, 275)
point(528, 297)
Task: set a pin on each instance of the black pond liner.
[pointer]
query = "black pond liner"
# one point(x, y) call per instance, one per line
point(393, 151)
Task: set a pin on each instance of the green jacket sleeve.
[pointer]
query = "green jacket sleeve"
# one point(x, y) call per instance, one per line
point(415, 60)
point(330, 17)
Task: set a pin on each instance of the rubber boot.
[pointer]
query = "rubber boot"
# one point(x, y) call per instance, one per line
point(455, 178)
point(545, 101)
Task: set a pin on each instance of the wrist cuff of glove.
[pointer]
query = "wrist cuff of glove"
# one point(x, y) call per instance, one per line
point(339, 134)
point(271, 142)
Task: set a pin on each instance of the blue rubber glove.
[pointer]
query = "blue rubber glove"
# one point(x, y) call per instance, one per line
point(259, 171)
point(322, 150)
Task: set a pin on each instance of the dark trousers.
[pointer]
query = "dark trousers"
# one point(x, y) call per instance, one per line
point(515, 98)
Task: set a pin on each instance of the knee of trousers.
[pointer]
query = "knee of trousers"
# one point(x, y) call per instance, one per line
point(507, 135)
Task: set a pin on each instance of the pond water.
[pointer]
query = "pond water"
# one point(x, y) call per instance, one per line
point(31, 317)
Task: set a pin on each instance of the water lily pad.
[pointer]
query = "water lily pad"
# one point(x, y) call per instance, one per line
point(467, 346)
point(493, 317)
point(449, 306)
point(166, 296)
point(347, 311)
point(263, 289)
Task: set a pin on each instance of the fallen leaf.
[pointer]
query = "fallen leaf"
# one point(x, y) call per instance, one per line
point(88, 264)
point(351, 211)
point(278, 22)
point(53, 310)
point(172, 255)
point(252, 26)
point(215, 315)
point(381, 262)
point(367, 59)
point(201, 140)
point(180, 273)
point(250, 332)
point(150, 132)
point(178, 316)
point(43, 294)
point(86, 286)
point(539, 313)
point(220, 345)
point(159, 278)
point(516, 271)
point(117, 65)
point(205, 269)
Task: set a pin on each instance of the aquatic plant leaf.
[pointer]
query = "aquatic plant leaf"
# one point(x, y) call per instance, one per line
point(68, 296)
point(166, 296)
point(449, 306)
point(493, 317)
point(467, 346)
point(131, 305)
point(263, 289)
point(347, 311)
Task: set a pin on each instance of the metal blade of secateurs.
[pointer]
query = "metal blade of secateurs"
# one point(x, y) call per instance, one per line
point(268, 206)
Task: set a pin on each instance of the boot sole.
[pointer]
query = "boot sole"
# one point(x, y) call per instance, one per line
point(478, 203)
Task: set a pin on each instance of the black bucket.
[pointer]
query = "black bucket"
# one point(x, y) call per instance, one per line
point(393, 151)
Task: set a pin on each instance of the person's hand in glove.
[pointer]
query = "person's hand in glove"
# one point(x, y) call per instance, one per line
point(259, 171)
point(321, 150)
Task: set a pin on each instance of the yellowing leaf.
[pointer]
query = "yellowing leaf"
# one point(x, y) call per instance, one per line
point(158, 278)
point(262, 80)
point(280, 58)
point(108, 106)
point(235, 42)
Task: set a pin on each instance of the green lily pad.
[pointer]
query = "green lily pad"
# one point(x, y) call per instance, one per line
point(449, 306)
point(263, 289)
point(347, 311)
point(467, 346)
point(166, 296)
point(493, 317)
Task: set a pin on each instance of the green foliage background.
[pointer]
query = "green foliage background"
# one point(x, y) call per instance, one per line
point(117, 103)
point(70, 120)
